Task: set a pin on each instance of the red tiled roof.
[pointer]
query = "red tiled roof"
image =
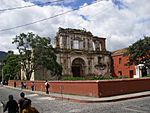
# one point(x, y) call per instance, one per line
point(119, 52)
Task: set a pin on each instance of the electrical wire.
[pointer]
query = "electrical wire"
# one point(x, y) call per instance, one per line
point(28, 6)
point(19, 26)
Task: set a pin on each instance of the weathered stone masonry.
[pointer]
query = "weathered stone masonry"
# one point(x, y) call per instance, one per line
point(82, 54)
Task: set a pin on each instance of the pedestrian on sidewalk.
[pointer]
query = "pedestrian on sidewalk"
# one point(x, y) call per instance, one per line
point(22, 85)
point(21, 101)
point(1, 83)
point(32, 86)
point(14, 83)
point(47, 87)
point(27, 108)
point(11, 105)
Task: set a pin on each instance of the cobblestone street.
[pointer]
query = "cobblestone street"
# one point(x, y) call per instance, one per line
point(47, 104)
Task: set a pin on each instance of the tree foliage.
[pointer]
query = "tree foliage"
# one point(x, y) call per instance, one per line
point(139, 52)
point(36, 51)
point(11, 66)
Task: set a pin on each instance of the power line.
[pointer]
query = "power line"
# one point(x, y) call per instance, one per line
point(19, 26)
point(22, 7)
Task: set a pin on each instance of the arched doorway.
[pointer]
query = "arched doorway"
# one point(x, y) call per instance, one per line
point(78, 67)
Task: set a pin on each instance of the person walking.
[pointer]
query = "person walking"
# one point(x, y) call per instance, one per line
point(47, 86)
point(11, 105)
point(14, 83)
point(21, 101)
point(22, 85)
point(32, 86)
point(27, 108)
point(1, 83)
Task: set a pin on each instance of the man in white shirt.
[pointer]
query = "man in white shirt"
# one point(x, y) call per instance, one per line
point(47, 86)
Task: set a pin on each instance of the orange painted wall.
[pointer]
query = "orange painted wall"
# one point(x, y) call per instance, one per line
point(121, 67)
point(86, 88)
point(123, 86)
point(99, 88)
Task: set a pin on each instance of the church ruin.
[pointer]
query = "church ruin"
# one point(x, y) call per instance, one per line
point(81, 54)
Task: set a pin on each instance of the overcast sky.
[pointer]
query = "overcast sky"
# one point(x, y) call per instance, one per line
point(121, 22)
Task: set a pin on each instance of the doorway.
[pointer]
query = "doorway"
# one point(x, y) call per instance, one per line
point(78, 69)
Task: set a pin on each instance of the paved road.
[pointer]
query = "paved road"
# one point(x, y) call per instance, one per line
point(47, 104)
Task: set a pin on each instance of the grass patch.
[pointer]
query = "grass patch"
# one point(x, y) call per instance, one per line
point(73, 78)
point(102, 78)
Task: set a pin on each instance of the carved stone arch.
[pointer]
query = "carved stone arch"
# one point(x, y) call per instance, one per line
point(78, 67)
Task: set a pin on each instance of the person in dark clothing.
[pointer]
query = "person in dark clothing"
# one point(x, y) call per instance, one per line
point(21, 101)
point(32, 86)
point(47, 86)
point(14, 83)
point(11, 105)
point(22, 85)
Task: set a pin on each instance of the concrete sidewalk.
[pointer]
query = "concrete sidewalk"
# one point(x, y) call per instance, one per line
point(87, 99)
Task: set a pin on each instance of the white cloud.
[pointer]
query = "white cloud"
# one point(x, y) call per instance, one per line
point(124, 26)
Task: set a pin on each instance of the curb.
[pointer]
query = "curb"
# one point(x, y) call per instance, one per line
point(98, 100)
point(92, 100)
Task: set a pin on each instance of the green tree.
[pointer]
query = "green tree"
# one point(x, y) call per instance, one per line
point(139, 52)
point(2, 57)
point(11, 66)
point(36, 51)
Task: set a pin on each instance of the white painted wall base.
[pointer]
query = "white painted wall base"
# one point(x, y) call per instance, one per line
point(138, 71)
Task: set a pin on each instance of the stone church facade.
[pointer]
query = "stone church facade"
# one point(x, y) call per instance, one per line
point(81, 54)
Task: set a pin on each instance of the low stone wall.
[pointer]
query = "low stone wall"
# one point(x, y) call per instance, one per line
point(123, 86)
point(86, 88)
point(95, 88)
